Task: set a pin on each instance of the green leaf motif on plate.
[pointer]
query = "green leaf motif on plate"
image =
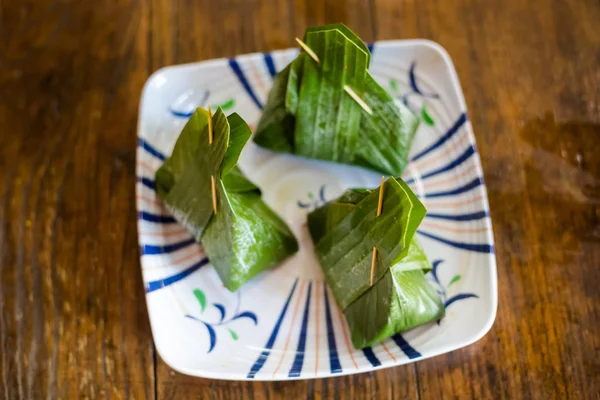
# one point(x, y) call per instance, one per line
point(454, 279)
point(201, 297)
point(233, 334)
point(229, 104)
point(426, 117)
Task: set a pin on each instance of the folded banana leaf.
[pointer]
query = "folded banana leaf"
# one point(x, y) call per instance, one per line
point(401, 300)
point(353, 229)
point(245, 236)
point(345, 231)
point(309, 113)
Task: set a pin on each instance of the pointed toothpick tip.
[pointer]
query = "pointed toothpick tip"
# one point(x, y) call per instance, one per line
point(308, 50)
point(213, 189)
point(373, 263)
point(357, 98)
point(210, 130)
point(380, 203)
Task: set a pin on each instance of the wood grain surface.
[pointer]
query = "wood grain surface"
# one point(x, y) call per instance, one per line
point(73, 321)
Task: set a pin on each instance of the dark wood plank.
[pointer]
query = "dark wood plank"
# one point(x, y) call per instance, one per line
point(72, 317)
point(392, 383)
point(73, 321)
point(530, 72)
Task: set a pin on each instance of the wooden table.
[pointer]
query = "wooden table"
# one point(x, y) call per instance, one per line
point(73, 321)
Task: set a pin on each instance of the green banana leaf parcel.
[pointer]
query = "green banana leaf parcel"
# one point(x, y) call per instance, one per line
point(245, 236)
point(309, 113)
point(344, 233)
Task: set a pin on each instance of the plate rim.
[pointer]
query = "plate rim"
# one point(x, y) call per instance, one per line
point(491, 257)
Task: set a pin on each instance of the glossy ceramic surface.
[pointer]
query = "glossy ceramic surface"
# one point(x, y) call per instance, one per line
point(285, 324)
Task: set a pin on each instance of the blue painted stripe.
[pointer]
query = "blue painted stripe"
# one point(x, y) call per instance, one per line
point(462, 158)
point(181, 114)
point(412, 79)
point(461, 217)
point(461, 296)
point(211, 332)
point(371, 356)
point(270, 65)
point(188, 114)
point(149, 249)
point(477, 247)
point(150, 149)
point(149, 183)
point(453, 129)
point(296, 369)
point(159, 219)
point(161, 283)
point(242, 78)
point(413, 83)
point(473, 184)
point(258, 364)
point(405, 347)
point(334, 361)
point(370, 46)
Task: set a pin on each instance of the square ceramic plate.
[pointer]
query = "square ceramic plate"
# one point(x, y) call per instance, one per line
point(285, 324)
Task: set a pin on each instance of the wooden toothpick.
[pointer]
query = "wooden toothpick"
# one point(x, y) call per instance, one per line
point(213, 188)
point(357, 98)
point(380, 204)
point(210, 130)
point(373, 262)
point(379, 209)
point(308, 50)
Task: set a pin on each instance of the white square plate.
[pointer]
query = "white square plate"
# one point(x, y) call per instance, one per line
point(284, 324)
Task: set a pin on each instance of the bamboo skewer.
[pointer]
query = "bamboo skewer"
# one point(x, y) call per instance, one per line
point(357, 98)
point(380, 204)
point(213, 186)
point(379, 209)
point(210, 130)
point(373, 261)
point(308, 50)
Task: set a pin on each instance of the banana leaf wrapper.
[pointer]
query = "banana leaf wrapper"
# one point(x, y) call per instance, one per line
point(400, 298)
point(245, 236)
point(308, 112)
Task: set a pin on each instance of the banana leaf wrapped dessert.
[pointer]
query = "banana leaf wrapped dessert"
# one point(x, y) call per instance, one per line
point(207, 193)
point(326, 105)
point(391, 294)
